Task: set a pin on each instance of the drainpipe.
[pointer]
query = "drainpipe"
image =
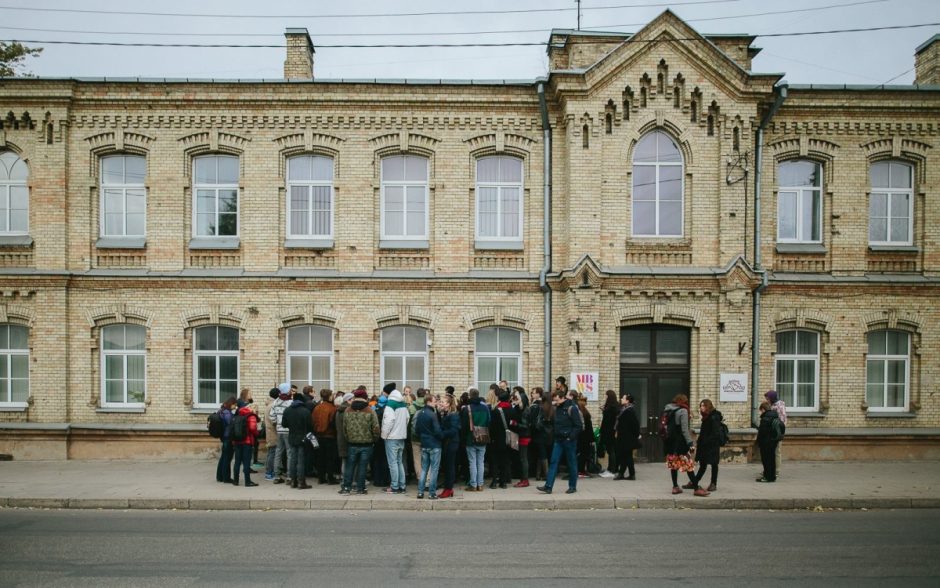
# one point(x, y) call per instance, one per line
point(546, 235)
point(780, 94)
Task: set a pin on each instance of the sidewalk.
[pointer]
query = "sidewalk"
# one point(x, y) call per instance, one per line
point(191, 484)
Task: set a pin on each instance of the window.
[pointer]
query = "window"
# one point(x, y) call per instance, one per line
point(215, 365)
point(405, 357)
point(498, 356)
point(888, 369)
point(657, 187)
point(405, 197)
point(310, 196)
point(123, 365)
point(123, 196)
point(14, 196)
point(798, 369)
point(310, 356)
point(215, 185)
point(655, 345)
point(891, 204)
point(799, 202)
point(499, 198)
point(14, 365)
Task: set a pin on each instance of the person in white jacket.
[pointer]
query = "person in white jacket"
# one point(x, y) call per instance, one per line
point(395, 432)
point(276, 411)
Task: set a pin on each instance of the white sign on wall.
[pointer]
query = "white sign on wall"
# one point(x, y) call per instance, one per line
point(733, 388)
point(585, 383)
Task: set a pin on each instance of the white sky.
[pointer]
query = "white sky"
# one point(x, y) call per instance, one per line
point(853, 58)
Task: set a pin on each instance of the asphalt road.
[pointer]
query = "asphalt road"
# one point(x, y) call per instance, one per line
point(377, 549)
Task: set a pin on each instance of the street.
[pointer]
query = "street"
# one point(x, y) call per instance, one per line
point(623, 547)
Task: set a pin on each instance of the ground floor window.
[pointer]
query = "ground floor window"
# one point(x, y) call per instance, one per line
point(14, 364)
point(310, 356)
point(215, 362)
point(797, 368)
point(498, 357)
point(123, 365)
point(887, 371)
point(405, 357)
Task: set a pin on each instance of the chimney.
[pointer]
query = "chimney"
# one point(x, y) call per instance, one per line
point(927, 62)
point(299, 62)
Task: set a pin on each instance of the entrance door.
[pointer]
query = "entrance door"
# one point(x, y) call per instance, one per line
point(654, 367)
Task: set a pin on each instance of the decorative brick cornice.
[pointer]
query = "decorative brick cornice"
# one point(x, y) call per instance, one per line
point(118, 313)
point(311, 314)
point(497, 316)
point(17, 314)
point(665, 313)
point(213, 314)
point(403, 315)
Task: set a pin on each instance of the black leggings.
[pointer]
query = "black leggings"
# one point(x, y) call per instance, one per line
point(675, 477)
point(701, 473)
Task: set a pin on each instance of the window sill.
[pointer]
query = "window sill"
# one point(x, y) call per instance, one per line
point(16, 241)
point(14, 407)
point(397, 244)
point(214, 243)
point(308, 243)
point(482, 245)
point(121, 243)
point(874, 414)
point(894, 248)
point(812, 248)
point(805, 415)
point(121, 410)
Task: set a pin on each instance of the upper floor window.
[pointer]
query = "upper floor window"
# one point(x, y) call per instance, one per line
point(14, 196)
point(215, 188)
point(405, 357)
point(310, 197)
point(123, 196)
point(123, 365)
point(888, 371)
point(499, 198)
point(310, 356)
point(14, 365)
point(215, 369)
point(799, 202)
point(405, 198)
point(891, 205)
point(657, 187)
point(498, 356)
point(797, 368)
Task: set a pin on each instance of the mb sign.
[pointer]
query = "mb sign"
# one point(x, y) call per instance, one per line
point(585, 383)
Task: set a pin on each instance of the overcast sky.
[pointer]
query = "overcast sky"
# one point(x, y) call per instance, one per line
point(854, 58)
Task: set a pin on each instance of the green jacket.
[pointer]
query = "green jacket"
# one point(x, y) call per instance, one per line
point(360, 423)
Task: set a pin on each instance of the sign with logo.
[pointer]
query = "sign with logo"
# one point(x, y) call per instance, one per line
point(585, 383)
point(733, 388)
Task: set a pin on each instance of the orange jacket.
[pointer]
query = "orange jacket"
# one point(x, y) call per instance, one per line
point(324, 420)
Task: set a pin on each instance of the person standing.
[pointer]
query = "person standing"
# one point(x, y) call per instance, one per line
point(297, 421)
point(450, 427)
point(541, 425)
point(277, 413)
point(223, 470)
point(270, 435)
point(586, 441)
point(473, 420)
point(519, 423)
point(707, 447)
point(567, 426)
point(243, 446)
point(609, 414)
point(778, 405)
point(769, 433)
point(415, 406)
point(395, 432)
point(342, 405)
point(499, 442)
point(678, 443)
point(360, 428)
point(380, 473)
point(430, 436)
point(324, 427)
point(627, 434)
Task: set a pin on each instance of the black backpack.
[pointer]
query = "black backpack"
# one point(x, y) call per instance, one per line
point(723, 434)
point(216, 425)
point(239, 427)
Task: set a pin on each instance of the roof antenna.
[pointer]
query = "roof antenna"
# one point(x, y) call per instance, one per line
point(578, 2)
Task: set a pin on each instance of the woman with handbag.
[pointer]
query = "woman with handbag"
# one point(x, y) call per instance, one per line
point(500, 438)
point(475, 428)
point(519, 425)
point(678, 443)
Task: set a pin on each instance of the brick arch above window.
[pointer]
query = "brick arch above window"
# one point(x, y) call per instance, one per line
point(802, 319)
point(17, 314)
point(404, 315)
point(675, 131)
point(112, 314)
point(120, 142)
point(498, 317)
point(215, 315)
point(668, 314)
point(404, 142)
point(308, 143)
point(211, 143)
point(500, 143)
point(892, 320)
point(310, 315)
point(913, 153)
point(805, 148)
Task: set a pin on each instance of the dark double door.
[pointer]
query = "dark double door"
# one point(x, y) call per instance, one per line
point(654, 367)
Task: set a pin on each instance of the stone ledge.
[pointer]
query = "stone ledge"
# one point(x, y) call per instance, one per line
point(38, 502)
point(706, 503)
point(625, 503)
point(811, 503)
point(287, 504)
point(219, 504)
point(584, 504)
point(358, 504)
point(328, 503)
point(763, 504)
point(656, 503)
point(158, 503)
point(881, 503)
point(109, 503)
point(452, 505)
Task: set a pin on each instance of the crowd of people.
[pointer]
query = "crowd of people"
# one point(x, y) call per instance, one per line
point(399, 436)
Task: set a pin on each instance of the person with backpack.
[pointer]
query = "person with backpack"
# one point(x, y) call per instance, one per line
point(711, 438)
point(244, 432)
point(677, 437)
point(541, 419)
point(568, 426)
point(360, 428)
point(626, 437)
point(296, 420)
point(450, 427)
point(770, 432)
point(587, 444)
point(430, 436)
point(519, 424)
point(609, 413)
point(475, 428)
point(223, 470)
point(395, 432)
point(381, 477)
point(780, 406)
point(499, 441)
point(277, 413)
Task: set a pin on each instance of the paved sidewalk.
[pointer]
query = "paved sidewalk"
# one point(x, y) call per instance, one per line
point(191, 485)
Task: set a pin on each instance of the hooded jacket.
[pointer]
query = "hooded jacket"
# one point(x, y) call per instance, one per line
point(360, 424)
point(395, 421)
point(428, 429)
point(568, 421)
point(297, 421)
point(678, 444)
point(770, 429)
point(708, 444)
point(252, 426)
point(480, 414)
point(278, 407)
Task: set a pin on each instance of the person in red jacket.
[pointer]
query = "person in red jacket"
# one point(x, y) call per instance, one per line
point(243, 447)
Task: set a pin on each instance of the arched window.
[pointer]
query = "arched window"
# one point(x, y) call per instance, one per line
point(887, 386)
point(215, 365)
point(498, 356)
point(123, 365)
point(405, 198)
point(797, 369)
point(123, 196)
point(657, 187)
point(891, 205)
point(14, 196)
point(799, 202)
point(215, 193)
point(310, 356)
point(310, 197)
point(405, 357)
point(499, 199)
point(14, 365)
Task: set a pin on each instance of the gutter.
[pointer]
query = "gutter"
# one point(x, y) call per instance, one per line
point(780, 94)
point(546, 236)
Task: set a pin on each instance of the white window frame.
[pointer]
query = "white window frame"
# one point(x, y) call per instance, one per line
point(123, 187)
point(802, 192)
point(884, 359)
point(500, 186)
point(216, 188)
point(403, 355)
point(405, 184)
point(5, 187)
point(6, 356)
point(658, 165)
point(890, 193)
point(309, 355)
point(498, 355)
point(124, 353)
point(794, 358)
point(309, 185)
point(217, 353)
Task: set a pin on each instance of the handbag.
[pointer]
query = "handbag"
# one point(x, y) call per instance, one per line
point(512, 437)
point(481, 435)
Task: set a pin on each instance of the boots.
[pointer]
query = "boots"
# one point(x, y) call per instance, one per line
point(521, 484)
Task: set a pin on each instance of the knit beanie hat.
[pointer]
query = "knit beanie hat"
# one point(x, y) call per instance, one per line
point(389, 387)
point(361, 393)
point(771, 396)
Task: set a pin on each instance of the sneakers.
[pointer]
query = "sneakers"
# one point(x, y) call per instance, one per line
point(391, 490)
point(249, 484)
point(432, 497)
point(544, 489)
point(764, 480)
point(362, 492)
point(676, 490)
point(470, 488)
point(521, 484)
point(304, 485)
point(345, 491)
point(700, 492)
point(571, 490)
point(279, 480)
point(712, 487)
point(269, 477)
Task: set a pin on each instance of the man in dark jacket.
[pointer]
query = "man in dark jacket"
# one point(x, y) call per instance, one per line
point(297, 421)
point(428, 432)
point(769, 433)
point(568, 427)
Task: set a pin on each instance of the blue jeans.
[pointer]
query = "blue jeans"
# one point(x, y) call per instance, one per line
point(269, 462)
point(280, 454)
point(570, 449)
point(295, 463)
point(394, 452)
point(223, 471)
point(242, 460)
point(430, 465)
point(357, 456)
point(476, 455)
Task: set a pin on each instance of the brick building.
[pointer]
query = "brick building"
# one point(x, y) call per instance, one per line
point(164, 243)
